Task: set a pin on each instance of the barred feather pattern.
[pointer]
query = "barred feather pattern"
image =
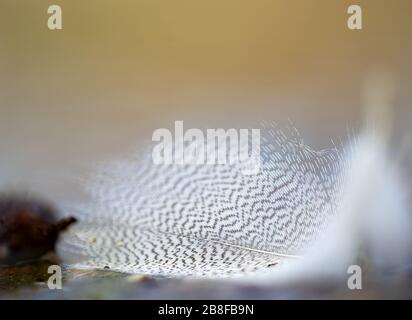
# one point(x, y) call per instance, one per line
point(207, 220)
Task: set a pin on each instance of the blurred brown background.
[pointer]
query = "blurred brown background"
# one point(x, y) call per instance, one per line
point(120, 69)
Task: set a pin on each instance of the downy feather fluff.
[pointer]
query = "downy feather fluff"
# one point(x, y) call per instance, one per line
point(207, 220)
point(304, 215)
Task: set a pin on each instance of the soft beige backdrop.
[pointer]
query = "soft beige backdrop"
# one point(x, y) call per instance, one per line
point(121, 68)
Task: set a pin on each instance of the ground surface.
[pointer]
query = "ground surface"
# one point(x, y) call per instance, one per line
point(29, 281)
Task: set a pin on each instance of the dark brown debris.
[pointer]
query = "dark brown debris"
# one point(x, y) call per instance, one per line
point(29, 229)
